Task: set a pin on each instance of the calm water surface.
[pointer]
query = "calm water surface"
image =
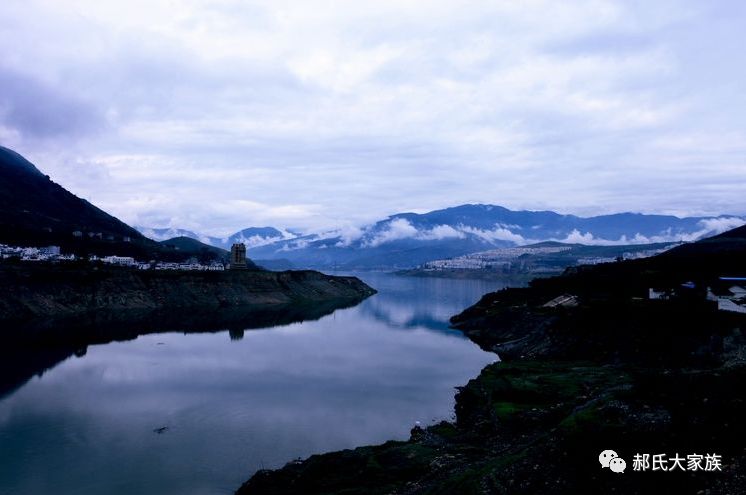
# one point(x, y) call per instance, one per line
point(359, 376)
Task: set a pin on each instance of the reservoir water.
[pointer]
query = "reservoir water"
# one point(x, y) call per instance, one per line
point(198, 413)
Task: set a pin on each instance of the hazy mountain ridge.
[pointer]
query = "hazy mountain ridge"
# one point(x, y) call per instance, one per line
point(252, 236)
point(406, 240)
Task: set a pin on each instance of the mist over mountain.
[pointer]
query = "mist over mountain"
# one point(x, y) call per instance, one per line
point(409, 239)
point(252, 236)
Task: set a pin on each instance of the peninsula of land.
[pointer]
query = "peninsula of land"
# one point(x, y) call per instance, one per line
point(35, 293)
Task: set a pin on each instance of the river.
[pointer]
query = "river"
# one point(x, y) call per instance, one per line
point(198, 413)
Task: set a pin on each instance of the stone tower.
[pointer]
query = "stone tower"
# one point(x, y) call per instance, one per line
point(238, 257)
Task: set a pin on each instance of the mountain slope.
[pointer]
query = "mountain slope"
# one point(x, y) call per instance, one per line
point(34, 208)
point(35, 211)
point(204, 253)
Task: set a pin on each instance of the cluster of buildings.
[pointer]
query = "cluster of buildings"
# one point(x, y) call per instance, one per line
point(494, 258)
point(733, 298)
point(49, 253)
point(158, 265)
point(627, 255)
point(534, 258)
point(53, 254)
point(729, 293)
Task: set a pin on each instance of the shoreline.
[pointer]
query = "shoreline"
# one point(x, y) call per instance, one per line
point(40, 292)
point(612, 371)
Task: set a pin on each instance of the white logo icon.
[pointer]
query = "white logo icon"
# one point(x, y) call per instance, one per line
point(606, 457)
point(617, 465)
point(610, 459)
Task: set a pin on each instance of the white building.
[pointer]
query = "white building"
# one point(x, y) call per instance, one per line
point(119, 260)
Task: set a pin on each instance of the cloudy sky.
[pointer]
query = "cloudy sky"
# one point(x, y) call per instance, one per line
point(216, 115)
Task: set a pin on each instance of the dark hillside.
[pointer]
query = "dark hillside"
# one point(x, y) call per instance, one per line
point(35, 211)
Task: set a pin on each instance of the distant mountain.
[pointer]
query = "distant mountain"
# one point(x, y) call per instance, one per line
point(409, 239)
point(252, 236)
point(166, 233)
point(256, 236)
point(204, 253)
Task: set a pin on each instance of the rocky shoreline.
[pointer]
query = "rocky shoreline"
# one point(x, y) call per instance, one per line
point(39, 299)
point(609, 369)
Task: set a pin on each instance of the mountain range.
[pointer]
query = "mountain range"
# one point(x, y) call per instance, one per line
point(35, 211)
point(407, 240)
point(252, 236)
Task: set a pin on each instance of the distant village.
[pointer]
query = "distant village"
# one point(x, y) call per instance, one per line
point(494, 258)
point(506, 258)
point(53, 254)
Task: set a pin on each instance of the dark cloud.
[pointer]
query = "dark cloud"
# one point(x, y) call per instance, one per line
point(39, 110)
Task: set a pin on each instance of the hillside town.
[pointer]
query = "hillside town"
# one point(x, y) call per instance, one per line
point(53, 254)
point(494, 258)
point(516, 257)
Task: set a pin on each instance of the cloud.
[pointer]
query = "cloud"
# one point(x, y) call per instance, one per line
point(30, 109)
point(228, 114)
point(709, 227)
point(499, 233)
point(396, 229)
point(348, 235)
point(720, 224)
point(401, 228)
point(441, 232)
point(258, 240)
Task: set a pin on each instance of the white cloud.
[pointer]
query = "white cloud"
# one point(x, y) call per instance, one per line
point(441, 232)
point(721, 224)
point(401, 228)
point(499, 233)
point(710, 227)
point(396, 229)
point(257, 240)
point(218, 115)
point(348, 235)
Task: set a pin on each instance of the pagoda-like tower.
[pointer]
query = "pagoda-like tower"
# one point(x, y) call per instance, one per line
point(238, 257)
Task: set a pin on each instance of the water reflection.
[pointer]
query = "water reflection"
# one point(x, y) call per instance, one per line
point(44, 344)
point(232, 405)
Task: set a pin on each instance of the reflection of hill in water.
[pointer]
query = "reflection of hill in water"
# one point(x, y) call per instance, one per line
point(47, 343)
point(414, 302)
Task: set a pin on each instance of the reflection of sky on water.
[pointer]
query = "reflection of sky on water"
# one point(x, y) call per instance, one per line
point(412, 302)
point(233, 406)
